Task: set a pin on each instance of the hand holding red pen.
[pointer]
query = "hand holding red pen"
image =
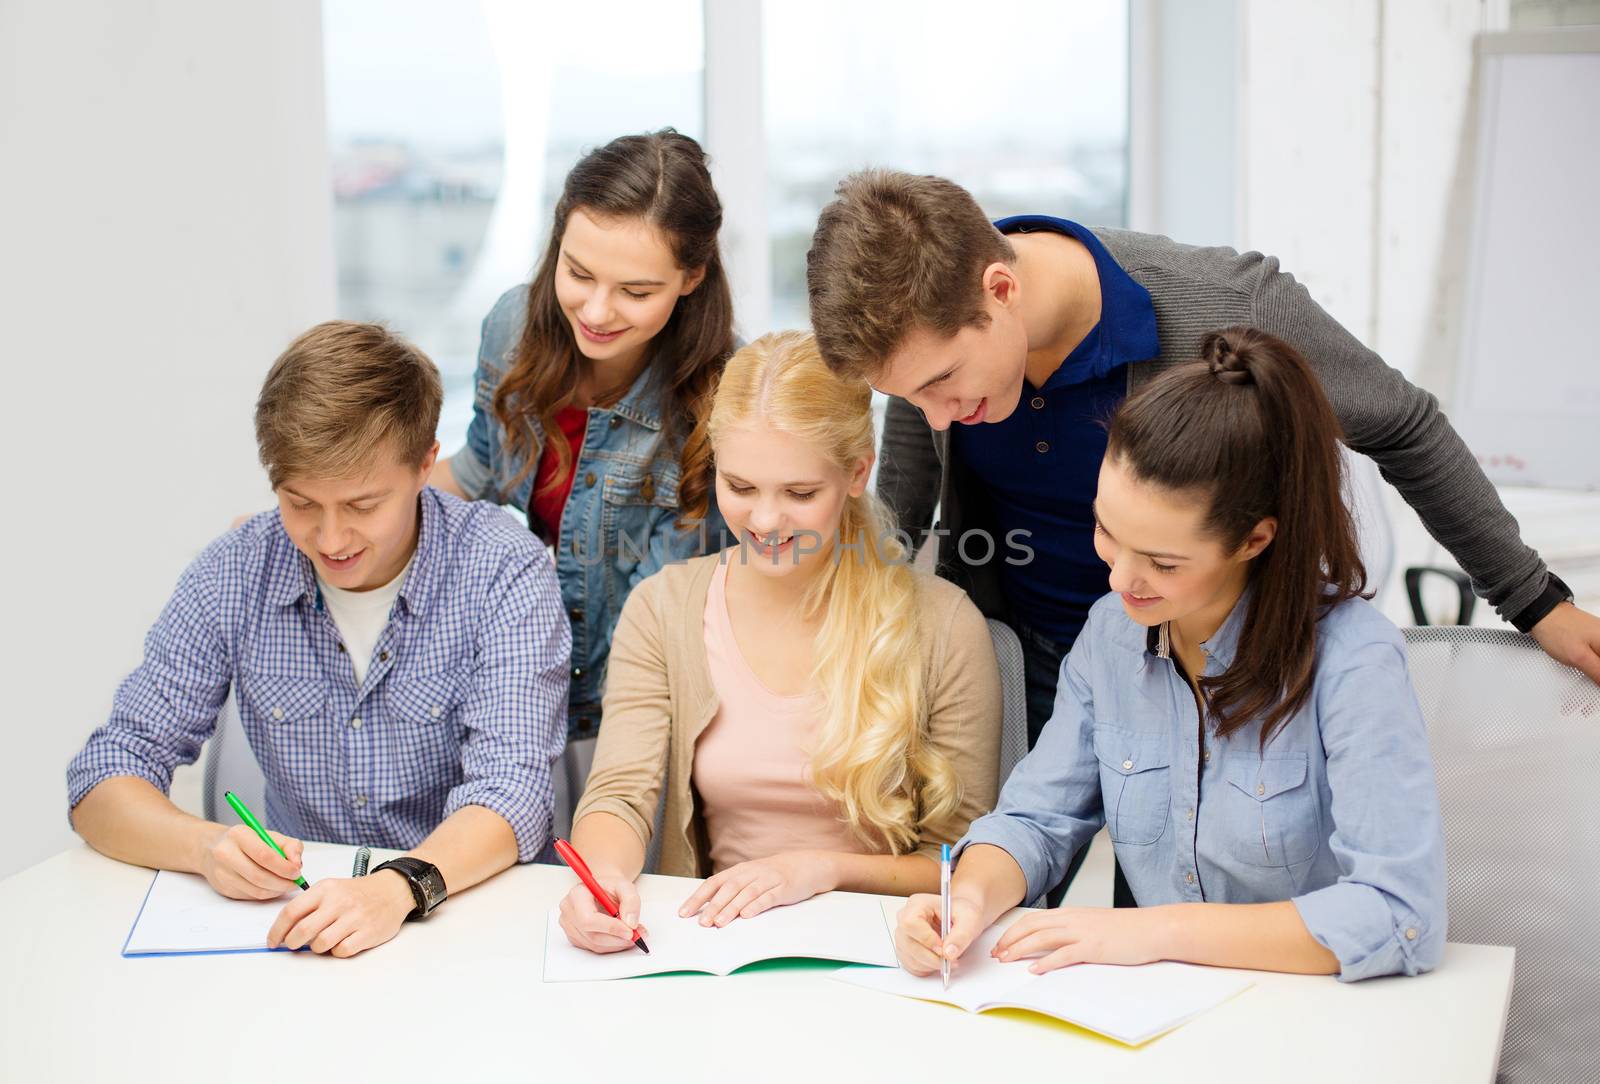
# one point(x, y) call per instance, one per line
point(601, 913)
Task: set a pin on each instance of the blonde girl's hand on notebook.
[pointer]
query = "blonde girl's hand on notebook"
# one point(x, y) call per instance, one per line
point(916, 932)
point(745, 890)
point(1084, 935)
point(241, 867)
point(587, 926)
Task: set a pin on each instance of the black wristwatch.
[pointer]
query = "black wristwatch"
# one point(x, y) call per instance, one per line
point(1555, 593)
point(427, 883)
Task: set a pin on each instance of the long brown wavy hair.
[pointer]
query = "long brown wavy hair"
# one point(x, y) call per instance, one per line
point(662, 178)
point(1248, 427)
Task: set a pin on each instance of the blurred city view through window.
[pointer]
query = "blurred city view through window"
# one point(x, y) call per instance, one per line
point(453, 124)
point(1024, 105)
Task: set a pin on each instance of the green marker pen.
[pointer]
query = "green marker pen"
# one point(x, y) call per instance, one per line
point(255, 826)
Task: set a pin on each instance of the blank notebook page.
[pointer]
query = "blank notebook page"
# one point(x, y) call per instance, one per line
point(1129, 1004)
point(182, 913)
point(833, 926)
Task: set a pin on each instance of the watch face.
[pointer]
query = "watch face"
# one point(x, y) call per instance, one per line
point(432, 884)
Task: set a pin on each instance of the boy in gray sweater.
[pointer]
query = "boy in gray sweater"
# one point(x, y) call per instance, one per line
point(1028, 332)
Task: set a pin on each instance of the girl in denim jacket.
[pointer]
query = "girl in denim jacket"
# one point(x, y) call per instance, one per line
point(594, 383)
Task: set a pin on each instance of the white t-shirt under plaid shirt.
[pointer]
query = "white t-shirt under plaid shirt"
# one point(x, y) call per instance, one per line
point(361, 617)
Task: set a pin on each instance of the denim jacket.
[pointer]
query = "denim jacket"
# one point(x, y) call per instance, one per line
point(1339, 814)
point(618, 525)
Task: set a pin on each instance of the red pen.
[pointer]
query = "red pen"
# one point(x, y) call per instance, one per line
point(576, 863)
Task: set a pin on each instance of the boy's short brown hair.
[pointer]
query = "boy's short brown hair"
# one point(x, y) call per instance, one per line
point(342, 394)
point(892, 252)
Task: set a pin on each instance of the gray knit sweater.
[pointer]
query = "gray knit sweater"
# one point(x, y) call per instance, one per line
point(1196, 290)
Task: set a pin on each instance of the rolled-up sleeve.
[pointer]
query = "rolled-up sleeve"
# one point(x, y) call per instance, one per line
point(515, 712)
point(479, 461)
point(1051, 805)
point(471, 472)
point(165, 710)
point(1386, 913)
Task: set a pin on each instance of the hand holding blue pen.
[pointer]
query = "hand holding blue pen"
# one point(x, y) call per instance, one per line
point(944, 909)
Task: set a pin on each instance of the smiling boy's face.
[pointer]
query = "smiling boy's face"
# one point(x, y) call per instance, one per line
point(971, 377)
point(357, 532)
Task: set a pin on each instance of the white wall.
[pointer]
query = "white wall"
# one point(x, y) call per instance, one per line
point(1349, 158)
point(736, 140)
point(1184, 119)
point(167, 223)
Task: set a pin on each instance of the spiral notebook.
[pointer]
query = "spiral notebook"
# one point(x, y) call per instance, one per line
point(183, 915)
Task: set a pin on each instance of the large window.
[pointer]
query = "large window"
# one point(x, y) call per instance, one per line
point(452, 126)
point(1025, 105)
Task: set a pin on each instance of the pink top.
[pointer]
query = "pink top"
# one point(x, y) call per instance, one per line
point(751, 763)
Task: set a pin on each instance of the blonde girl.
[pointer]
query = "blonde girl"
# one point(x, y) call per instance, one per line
point(812, 712)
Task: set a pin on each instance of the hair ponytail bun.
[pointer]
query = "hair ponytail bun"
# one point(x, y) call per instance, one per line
point(1229, 354)
point(1273, 451)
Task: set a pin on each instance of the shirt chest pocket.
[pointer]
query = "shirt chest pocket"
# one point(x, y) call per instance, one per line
point(423, 717)
point(277, 701)
point(633, 505)
point(1135, 783)
point(1273, 815)
point(426, 700)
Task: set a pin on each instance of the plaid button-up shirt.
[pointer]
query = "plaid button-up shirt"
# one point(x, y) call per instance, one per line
point(464, 702)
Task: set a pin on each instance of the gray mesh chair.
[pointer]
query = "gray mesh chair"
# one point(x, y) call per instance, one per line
point(231, 765)
point(1013, 697)
point(571, 775)
point(652, 853)
point(1516, 749)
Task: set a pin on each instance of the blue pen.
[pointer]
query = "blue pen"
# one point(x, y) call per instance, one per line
point(944, 910)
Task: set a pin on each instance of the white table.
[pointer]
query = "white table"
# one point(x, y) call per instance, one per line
point(459, 997)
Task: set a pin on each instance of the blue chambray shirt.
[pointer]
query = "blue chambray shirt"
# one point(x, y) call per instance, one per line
point(619, 524)
point(1339, 814)
point(463, 702)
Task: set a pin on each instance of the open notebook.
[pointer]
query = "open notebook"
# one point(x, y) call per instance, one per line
point(1129, 1004)
point(833, 926)
point(183, 914)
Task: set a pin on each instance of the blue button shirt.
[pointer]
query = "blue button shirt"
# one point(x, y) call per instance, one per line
point(464, 702)
point(1041, 465)
point(1338, 814)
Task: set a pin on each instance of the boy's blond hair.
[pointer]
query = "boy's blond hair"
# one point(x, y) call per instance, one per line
point(893, 252)
point(341, 395)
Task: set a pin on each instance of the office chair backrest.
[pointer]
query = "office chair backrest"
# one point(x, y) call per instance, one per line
point(231, 765)
point(1013, 697)
point(1516, 749)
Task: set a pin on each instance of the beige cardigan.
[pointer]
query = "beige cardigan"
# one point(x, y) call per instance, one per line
point(659, 698)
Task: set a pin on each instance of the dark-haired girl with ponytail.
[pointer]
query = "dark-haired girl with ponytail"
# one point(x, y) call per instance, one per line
point(1235, 713)
point(594, 384)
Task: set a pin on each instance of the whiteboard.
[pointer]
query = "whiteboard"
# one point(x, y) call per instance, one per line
point(1528, 397)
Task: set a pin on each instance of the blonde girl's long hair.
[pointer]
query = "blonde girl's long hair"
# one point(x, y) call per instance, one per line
point(871, 753)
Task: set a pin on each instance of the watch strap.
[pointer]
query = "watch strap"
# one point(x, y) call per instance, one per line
point(1554, 594)
point(424, 879)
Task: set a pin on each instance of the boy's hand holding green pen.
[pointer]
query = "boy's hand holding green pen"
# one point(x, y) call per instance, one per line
point(255, 826)
point(246, 862)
